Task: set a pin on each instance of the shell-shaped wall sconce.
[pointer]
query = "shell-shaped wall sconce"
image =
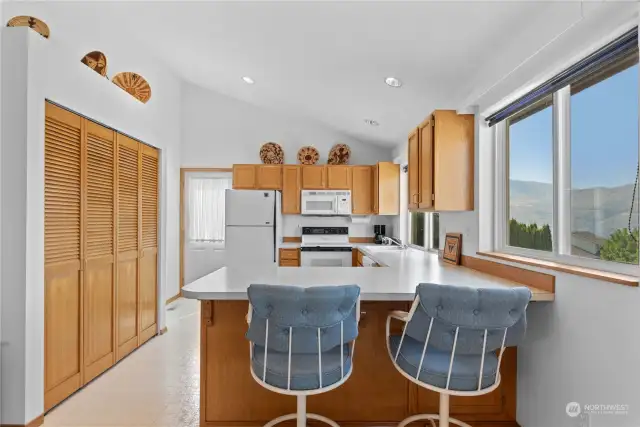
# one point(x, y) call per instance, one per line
point(32, 22)
point(97, 61)
point(134, 84)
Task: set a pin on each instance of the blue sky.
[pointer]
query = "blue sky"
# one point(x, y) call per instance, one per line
point(604, 137)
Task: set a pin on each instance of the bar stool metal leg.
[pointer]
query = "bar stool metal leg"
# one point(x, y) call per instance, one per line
point(302, 411)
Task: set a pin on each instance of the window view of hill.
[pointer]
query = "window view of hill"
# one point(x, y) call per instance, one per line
point(599, 219)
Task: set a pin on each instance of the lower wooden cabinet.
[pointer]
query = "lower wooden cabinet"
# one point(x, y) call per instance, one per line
point(290, 257)
point(375, 394)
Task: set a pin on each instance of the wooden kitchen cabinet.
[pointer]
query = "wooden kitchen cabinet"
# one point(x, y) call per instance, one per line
point(441, 163)
point(291, 184)
point(362, 190)
point(425, 159)
point(339, 177)
point(314, 177)
point(290, 257)
point(269, 177)
point(244, 177)
point(386, 188)
point(414, 170)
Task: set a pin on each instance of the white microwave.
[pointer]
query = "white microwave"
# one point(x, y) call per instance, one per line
point(326, 202)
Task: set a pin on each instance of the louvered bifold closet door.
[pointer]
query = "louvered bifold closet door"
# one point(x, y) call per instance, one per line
point(99, 271)
point(127, 244)
point(62, 254)
point(149, 239)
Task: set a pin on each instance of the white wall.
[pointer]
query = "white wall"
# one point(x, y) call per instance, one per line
point(1, 340)
point(43, 69)
point(583, 347)
point(219, 131)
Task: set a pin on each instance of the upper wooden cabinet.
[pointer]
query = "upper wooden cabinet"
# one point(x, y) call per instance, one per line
point(291, 184)
point(386, 188)
point(257, 177)
point(375, 190)
point(339, 177)
point(269, 177)
point(414, 170)
point(362, 190)
point(441, 163)
point(314, 177)
point(244, 176)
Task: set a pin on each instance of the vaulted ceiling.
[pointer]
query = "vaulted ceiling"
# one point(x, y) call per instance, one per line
point(322, 60)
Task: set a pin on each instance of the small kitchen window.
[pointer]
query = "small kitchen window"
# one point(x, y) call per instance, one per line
point(424, 230)
point(206, 209)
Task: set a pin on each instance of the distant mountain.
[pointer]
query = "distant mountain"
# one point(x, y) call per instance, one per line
point(600, 210)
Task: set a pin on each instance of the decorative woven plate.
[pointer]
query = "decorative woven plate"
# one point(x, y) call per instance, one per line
point(32, 22)
point(271, 154)
point(308, 155)
point(97, 61)
point(339, 155)
point(134, 84)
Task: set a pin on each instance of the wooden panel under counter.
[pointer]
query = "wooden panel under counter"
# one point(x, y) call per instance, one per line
point(375, 394)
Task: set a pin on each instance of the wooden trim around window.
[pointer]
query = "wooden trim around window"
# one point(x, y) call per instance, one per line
point(606, 276)
point(183, 171)
point(533, 279)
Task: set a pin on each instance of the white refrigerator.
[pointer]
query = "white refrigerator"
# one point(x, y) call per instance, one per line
point(253, 227)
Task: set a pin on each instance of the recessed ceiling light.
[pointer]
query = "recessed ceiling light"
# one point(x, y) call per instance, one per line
point(393, 82)
point(371, 122)
point(248, 80)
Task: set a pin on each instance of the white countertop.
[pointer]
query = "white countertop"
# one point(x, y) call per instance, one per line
point(396, 282)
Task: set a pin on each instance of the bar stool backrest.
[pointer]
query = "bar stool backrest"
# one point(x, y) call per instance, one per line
point(303, 320)
point(459, 318)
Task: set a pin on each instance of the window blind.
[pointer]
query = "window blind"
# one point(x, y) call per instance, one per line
point(613, 57)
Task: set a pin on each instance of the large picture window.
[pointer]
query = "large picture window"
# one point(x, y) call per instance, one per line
point(530, 162)
point(604, 159)
point(570, 165)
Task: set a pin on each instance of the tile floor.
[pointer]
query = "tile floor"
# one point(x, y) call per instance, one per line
point(158, 385)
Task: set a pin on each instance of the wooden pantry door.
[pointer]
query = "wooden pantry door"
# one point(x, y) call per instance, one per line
point(62, 254)
point(99, 235)
point(128, 208)
point(149, 239)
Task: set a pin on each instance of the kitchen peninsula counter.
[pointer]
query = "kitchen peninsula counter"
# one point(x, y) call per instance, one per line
point(396, 280)
point(375, 394)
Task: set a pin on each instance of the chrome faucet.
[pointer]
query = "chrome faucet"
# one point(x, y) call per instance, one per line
point(393, 241)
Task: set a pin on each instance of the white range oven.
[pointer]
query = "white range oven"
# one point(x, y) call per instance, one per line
point(325, 247)
point(326, 202)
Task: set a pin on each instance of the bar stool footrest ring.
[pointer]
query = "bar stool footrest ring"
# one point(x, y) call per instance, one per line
point(289, 417)
point(432, 418)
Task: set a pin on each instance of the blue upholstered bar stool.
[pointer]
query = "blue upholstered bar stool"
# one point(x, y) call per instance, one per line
point(453, 341)
point(302, 341)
